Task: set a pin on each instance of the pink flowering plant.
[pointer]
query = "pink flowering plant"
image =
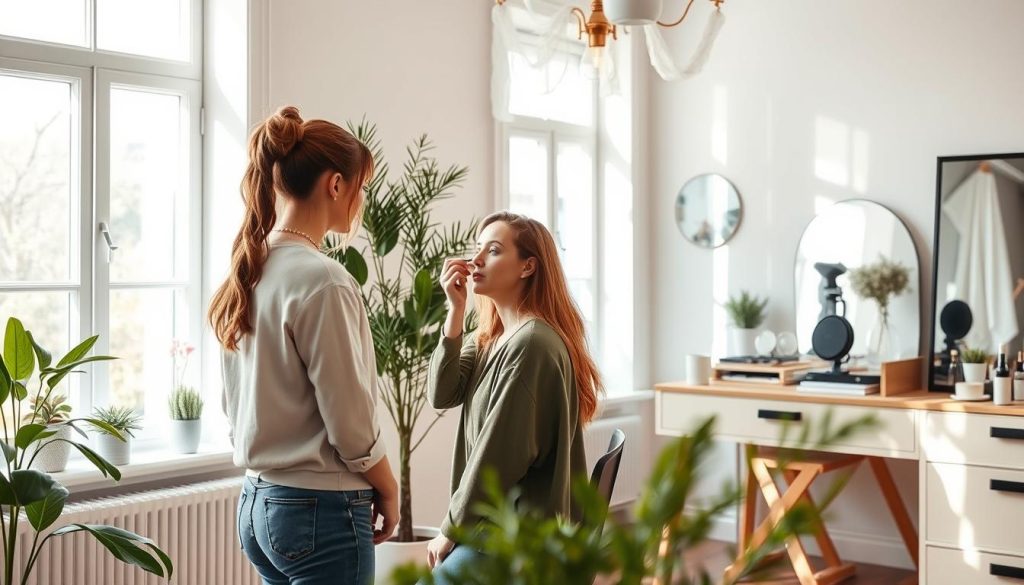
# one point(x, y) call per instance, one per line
point(184, 403)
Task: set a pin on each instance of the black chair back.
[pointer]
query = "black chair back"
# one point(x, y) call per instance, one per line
point(607, 467)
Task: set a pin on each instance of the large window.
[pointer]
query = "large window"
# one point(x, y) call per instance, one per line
point(100, 172)
point(550, 165)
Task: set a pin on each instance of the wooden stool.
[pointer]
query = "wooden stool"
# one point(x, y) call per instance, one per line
point(799, 476)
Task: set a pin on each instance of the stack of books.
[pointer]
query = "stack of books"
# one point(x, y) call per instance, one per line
point(842, 384)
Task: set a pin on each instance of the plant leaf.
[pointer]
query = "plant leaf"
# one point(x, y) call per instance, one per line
point(25, 487)
point(31, 433)
point(121, 544)
point(102, 425)
point(355, 264)
point(423, 287)
point(5, 381)
point(20, 391)
point(42, 356)
point(45, 512)
point(18, 350)
point(105, 467)
point(78, 352)
point(9, 452)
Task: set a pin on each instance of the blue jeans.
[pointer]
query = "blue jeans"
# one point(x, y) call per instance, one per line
point(462, 558)
point(296, 536)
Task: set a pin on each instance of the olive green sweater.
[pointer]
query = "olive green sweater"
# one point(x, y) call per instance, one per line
point(520, 417)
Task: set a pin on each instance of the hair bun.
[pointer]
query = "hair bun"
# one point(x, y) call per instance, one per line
point(283, 131)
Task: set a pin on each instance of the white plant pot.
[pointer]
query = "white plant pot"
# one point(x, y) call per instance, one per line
point(741, 342)
point(112, 449)
point(392, 554)
point(185, 435)
point(974, 373)
point(53, 457)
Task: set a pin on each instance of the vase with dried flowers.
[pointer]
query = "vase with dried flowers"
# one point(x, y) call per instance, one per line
point(880, 282)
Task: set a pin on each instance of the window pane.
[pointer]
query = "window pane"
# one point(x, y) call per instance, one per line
point(142, 325)
point(153, 28)
point(48, 316)
point(54, 21)
point(148, 181)
point(35, 179)
point(555, 91)
point(528, 176)
point(574, 232)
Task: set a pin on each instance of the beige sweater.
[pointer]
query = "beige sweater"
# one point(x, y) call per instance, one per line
point(300, 393)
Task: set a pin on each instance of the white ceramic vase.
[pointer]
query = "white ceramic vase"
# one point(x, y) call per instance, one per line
point(114, 450)
point(185, 435)
point(975, 373)
point(741, 342)
point(53, 457)
point(391, 554)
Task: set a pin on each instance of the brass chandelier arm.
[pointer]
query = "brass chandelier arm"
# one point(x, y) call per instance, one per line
point(582, 18)
point(681, 18)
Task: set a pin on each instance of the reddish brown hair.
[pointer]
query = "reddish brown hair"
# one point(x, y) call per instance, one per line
point(547, 297)
point(288, 155)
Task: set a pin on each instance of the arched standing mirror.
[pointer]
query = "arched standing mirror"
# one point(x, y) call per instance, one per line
point(847, 236)
point(708, 210)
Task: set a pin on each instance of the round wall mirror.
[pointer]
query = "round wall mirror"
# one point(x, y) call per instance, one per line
point(708, 210)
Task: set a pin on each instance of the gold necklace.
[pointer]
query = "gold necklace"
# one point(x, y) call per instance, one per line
point(298, 233)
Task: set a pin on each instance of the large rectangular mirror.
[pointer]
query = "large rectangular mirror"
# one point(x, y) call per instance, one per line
point(978, 268)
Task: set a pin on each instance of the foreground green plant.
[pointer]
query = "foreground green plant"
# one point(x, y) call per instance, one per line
point(34, 493)
point(746, 311)
point(521, 547)
point(405, 304)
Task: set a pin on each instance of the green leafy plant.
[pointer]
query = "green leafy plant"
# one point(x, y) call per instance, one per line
point(746, 311)
point(185, 403)
point(405, 304)
point(880, 281)
point(35, 493)
point(972, 355)
point(48, 411)
point(122, 419)
point(522, 547)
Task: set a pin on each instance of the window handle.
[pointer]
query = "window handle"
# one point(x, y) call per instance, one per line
point(111, 246)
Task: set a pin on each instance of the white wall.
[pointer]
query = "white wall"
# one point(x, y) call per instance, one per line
point(803, 102)
point(413, 68)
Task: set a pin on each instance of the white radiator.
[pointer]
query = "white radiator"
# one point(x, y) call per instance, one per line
point(194, 525)
point(595, 441)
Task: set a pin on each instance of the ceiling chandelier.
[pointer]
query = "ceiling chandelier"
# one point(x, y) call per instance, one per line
point(607, 15)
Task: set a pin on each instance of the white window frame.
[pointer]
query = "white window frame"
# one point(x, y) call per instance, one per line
point(556, 132)
point(93, 72)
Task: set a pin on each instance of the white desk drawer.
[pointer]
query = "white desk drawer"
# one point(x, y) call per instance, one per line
point(976, 439)
point(749, 420)
point(945, 566)
point(975, 507)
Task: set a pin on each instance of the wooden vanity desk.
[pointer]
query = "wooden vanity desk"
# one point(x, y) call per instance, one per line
point(970, 454)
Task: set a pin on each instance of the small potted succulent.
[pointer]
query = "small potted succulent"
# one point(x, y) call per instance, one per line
point(747, 313)
point(185, 403)
point(124, 419)
point(186, 408)
point(975, 365)
point(53, 456)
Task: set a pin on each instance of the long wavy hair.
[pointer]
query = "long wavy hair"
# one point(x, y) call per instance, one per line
point(547, 297)
point(286, 155)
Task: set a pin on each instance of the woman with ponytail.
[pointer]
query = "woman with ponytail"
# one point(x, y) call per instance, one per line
point(300, 389)
point(526, 381)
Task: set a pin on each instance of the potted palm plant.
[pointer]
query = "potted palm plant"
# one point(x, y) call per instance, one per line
point(52, 412)
point(404, 303)
point(116, 447)
point(34, 495)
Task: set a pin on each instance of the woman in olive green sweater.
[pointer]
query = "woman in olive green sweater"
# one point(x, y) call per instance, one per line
point(526, 381)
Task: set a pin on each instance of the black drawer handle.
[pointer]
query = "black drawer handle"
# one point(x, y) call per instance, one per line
point(1005, 571)
point(1005, 433)
point(1001, 485)
point(779, 415)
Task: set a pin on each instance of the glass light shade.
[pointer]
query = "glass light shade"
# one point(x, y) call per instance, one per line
point(633, 12)
point(597, 63)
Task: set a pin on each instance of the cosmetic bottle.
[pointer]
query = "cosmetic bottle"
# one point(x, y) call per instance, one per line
point(1002, 384)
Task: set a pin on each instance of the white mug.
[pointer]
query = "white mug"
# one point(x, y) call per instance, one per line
point(698, 369)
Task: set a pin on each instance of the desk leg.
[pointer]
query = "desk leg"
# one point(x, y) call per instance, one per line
point(896, 507)
point(748, 513)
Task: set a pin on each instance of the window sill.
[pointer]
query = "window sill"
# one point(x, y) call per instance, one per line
point(146, 466)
